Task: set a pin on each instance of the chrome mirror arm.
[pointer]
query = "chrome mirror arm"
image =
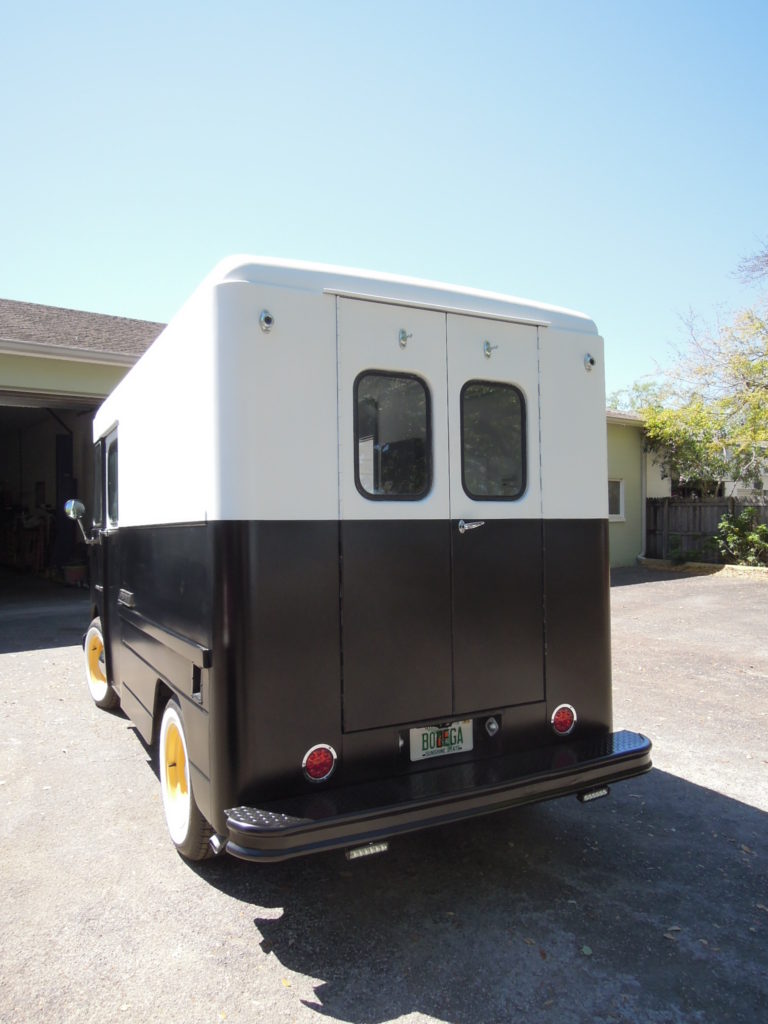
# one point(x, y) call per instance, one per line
point(76, 510)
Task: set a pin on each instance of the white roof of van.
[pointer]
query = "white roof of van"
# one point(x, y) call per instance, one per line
point(379, 287)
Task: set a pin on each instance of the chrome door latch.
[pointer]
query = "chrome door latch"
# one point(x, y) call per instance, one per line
point(465, 527)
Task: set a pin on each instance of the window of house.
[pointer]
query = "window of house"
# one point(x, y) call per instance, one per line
point(112, 482)
point(492, 441)
point(393, 458)
point(616, 500)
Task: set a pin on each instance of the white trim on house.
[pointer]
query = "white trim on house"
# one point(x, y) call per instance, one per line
point(72, 355)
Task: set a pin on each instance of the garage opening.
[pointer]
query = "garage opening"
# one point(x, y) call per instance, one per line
point(56, 366)
point(45, 458)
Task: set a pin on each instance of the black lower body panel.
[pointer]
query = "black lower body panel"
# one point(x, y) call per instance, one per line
point(372, 811)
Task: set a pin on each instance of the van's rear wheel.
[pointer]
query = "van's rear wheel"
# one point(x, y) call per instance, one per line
point(189, 830)
point(104, 695)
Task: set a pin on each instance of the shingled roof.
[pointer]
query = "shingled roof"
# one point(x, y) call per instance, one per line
point(48, 329)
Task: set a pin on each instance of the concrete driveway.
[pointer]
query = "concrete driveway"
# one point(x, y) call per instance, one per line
point(649, 907)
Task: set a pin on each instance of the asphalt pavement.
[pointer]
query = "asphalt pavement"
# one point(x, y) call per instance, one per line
point(650, 906)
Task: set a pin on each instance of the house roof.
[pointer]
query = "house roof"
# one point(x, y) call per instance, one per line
point(32, 329)
point(624, 419)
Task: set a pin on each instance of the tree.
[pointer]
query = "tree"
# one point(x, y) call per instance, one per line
point(755, 267)
point(707, 420)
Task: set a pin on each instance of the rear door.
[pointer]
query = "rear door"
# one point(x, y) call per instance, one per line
point(440, 515)
point(394, 513)
point(495, 501)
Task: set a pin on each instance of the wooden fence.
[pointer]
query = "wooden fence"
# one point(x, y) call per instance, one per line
point(685, 530)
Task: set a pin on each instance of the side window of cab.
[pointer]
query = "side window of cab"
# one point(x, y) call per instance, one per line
point(98, 484)
point(112, 505)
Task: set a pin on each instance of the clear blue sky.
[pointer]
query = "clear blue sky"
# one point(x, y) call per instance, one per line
point(609, 157)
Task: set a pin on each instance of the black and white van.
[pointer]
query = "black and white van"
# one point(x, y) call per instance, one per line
point(350, 559)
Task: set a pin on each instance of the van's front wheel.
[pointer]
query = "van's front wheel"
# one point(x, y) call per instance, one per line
point(189, 830)
point(102, 692)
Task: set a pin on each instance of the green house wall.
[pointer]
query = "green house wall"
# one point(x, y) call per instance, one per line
point(626, 462)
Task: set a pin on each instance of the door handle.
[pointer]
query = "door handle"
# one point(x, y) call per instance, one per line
point(465, 527)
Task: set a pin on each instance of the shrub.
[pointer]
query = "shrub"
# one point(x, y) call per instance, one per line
point(742, 539)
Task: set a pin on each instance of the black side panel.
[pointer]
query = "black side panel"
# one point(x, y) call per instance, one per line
point(276, 666)
point(169, 571)
point(241, 619)
point(498, 629)
point(578, 631)
point(166, 575)
point(254, 608)
point(396, 622)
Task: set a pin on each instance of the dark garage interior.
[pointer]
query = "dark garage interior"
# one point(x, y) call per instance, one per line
point(44, 460)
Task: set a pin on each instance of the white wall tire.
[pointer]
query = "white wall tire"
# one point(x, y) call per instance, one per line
point(102, 693)
point(188, 829)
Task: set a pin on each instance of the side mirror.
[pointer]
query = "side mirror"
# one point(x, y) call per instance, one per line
point(76, 510)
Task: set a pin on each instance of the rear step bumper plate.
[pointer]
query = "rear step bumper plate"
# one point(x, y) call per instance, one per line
point(367, 812)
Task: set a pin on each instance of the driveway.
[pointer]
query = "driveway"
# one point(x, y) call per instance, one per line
point(651, 906)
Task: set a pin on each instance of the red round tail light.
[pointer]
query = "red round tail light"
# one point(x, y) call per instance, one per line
point(563, 719)
point(319, 762)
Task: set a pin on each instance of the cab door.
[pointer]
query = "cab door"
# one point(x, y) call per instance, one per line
point(395, 533)
point(495, 509)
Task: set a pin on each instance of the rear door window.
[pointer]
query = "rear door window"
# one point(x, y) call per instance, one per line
point(393, 459)
point(492, 441)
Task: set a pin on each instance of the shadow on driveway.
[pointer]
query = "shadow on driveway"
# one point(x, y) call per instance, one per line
point(631, 575)
point(652, 905)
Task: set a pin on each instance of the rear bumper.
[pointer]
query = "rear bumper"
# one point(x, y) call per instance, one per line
point(372, 811)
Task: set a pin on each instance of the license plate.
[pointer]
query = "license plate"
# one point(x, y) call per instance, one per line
point(439, 740)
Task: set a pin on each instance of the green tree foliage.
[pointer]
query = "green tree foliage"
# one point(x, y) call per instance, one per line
point(707, 420)
point(741, 538)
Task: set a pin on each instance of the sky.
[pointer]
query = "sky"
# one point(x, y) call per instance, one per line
point(609, 157)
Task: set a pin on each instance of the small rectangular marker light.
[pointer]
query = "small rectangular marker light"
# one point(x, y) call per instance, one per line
point(366, 851)
point(593, 794)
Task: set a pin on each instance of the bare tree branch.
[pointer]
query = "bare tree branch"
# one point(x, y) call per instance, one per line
point(755, 267)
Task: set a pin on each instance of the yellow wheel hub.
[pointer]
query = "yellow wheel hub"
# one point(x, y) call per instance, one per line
point(96, 659)
point(175, 765)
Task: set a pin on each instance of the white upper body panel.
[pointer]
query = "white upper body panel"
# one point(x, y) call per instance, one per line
point(223, 420)
point(366, 284)
point(167, 424)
